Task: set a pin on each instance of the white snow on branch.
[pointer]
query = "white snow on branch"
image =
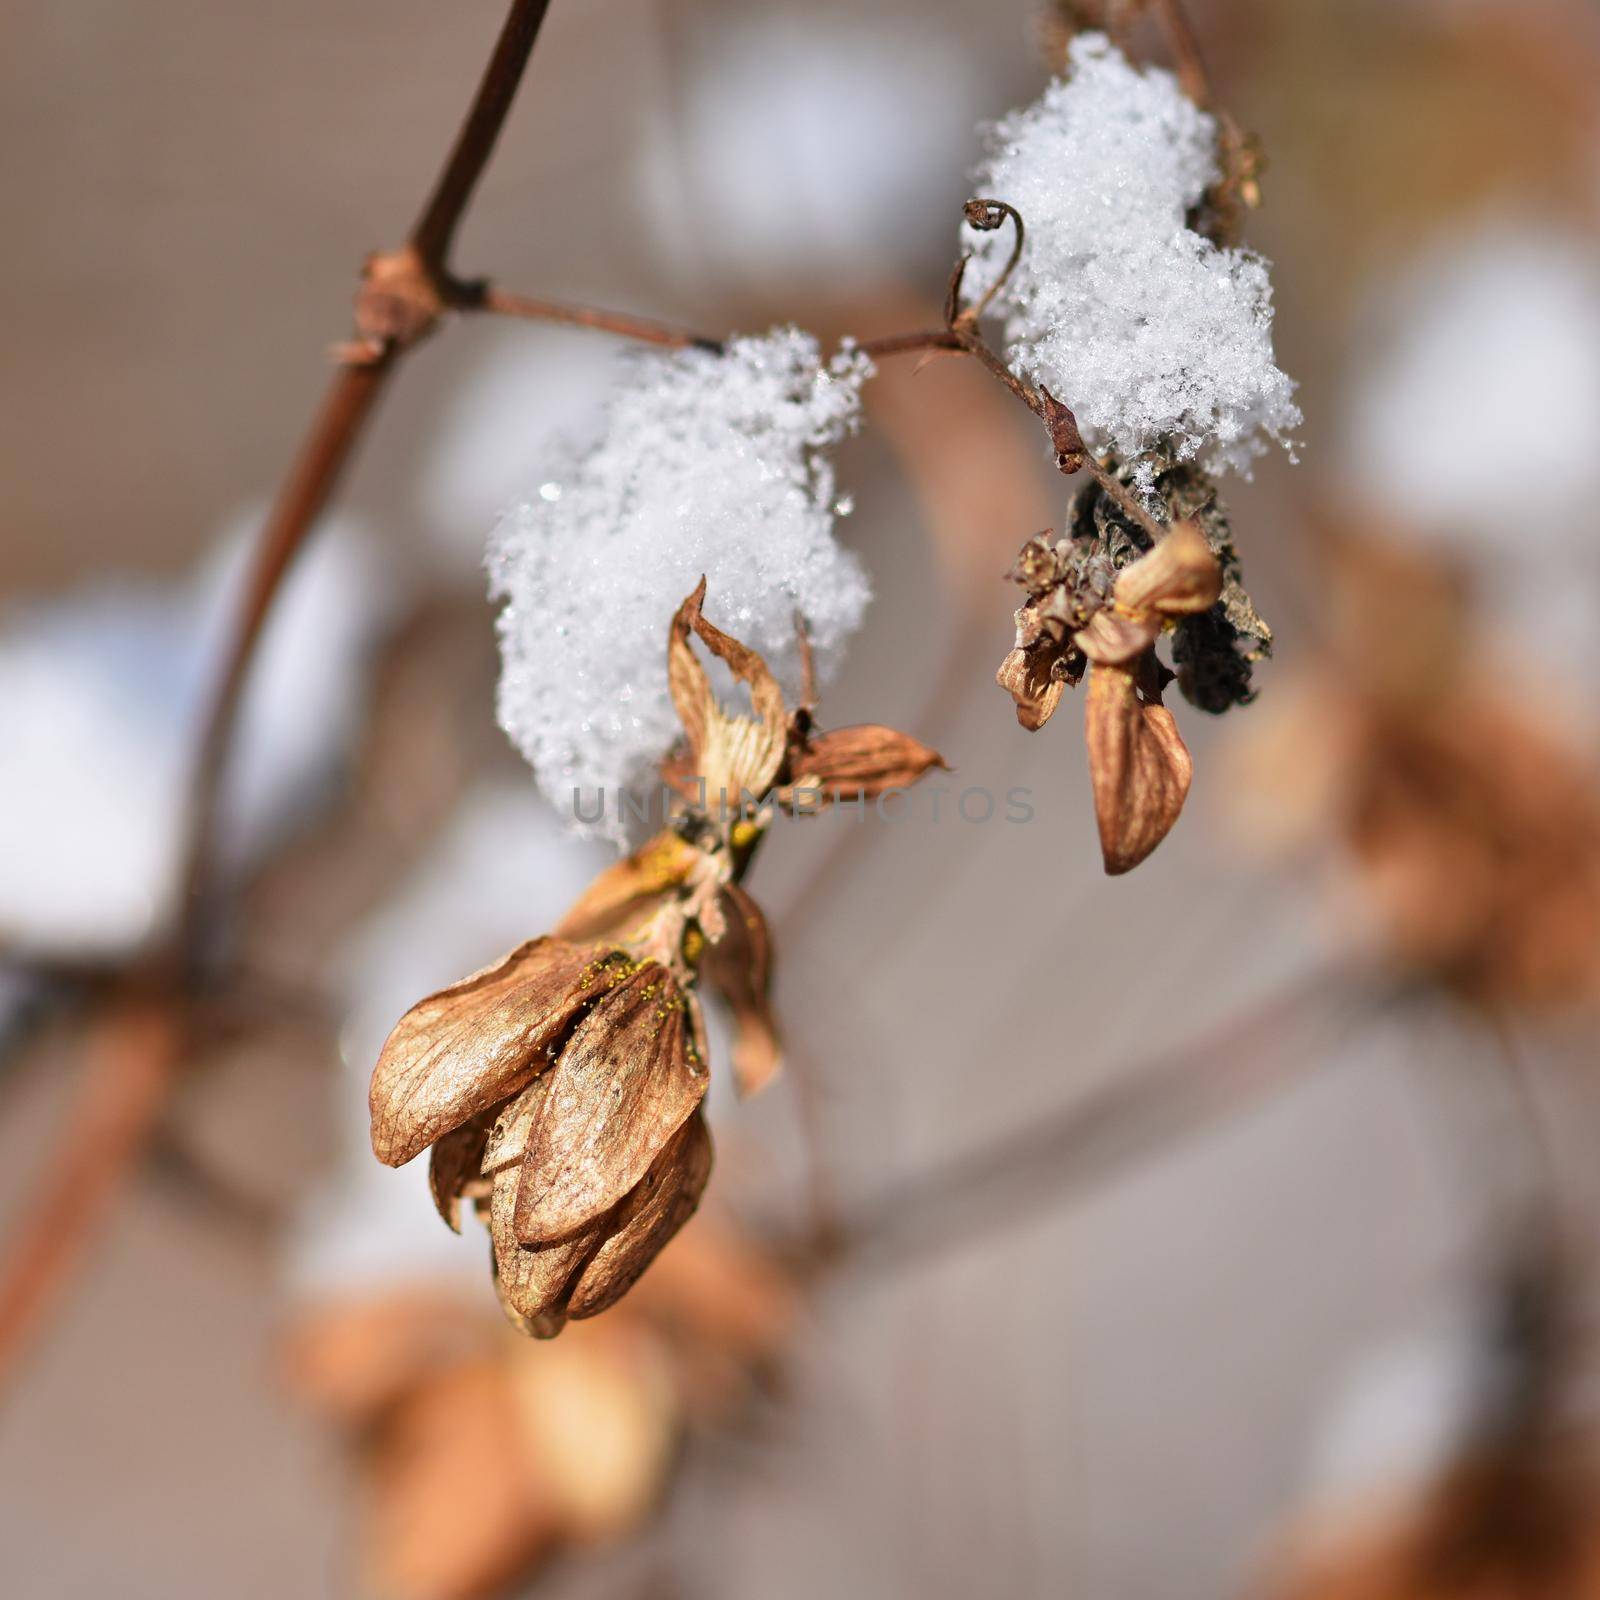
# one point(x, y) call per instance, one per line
point(1154, 336)
point(707, 464)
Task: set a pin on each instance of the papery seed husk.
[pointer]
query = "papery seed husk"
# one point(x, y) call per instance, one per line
point(641, 1227)
point(463, 1049)
point(740, 966)
point(455, 1165)
point(533, 1281)
point(1139, 765)
point(623, 1085)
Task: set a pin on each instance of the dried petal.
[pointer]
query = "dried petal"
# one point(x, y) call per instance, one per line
point(1112, 640)
point(740, 965)
point(455, 1166)
point(463, 1049)
point(643, 1224)
point(867, 760)
point(622, 1087)
point(626, 893)
point(1139, 765)
point(1027, 676)
point(1177, 576)
point(731, 753)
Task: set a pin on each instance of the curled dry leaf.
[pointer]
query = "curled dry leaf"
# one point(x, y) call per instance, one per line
point(1139, 765)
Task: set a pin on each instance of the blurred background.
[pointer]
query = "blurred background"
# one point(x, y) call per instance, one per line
point(1197, 1226)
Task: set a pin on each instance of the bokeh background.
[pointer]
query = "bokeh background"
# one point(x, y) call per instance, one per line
point(1269, 1178)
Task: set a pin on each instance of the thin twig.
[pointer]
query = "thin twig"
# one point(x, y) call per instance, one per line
point(435, 229)
point(334, 430)
point(1189, 63)
point(502, 302)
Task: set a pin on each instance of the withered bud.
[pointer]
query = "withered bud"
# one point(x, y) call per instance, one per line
point(1037, 568)
point(1138, 762)
point(1071, 452)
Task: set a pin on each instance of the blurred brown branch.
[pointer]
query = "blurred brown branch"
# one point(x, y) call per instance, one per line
point(1239, 1059)
point(134, 1049)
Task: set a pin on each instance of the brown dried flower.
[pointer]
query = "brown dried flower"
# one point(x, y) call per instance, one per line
point(560, 1088)
point(1082, 615)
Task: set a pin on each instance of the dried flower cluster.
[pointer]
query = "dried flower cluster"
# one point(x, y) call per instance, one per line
point(560, 1089)
point(1097, 602)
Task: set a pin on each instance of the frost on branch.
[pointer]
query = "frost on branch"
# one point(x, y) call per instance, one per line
point(1158, 339)
point(708, 464)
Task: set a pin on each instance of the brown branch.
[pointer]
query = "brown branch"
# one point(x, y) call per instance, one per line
point(1134, 1116)
point(1187, 60)
point(502, 302)
point(899, 344)
point(435, 229)
point(311, 481)
point(133, 1051)
point(420, 273)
